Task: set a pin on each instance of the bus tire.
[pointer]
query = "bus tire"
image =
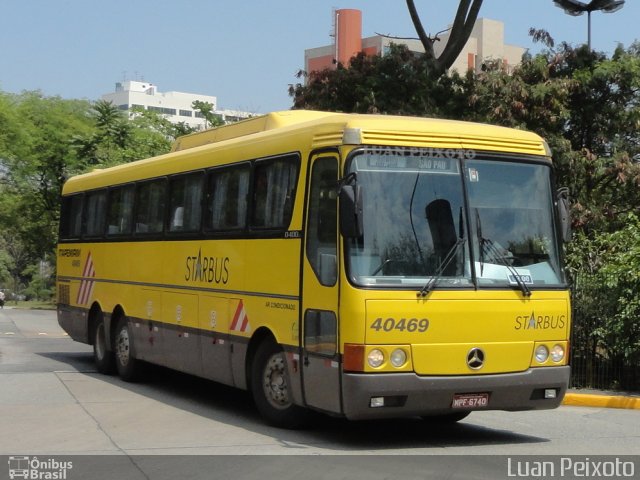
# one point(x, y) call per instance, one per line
point(270, 388)
point(129, 368)
point(103, 357)
point(446, 418)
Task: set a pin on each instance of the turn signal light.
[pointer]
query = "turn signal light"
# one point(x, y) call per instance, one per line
point(353, 358)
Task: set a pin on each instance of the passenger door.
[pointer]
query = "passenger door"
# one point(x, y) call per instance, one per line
point(319, 338)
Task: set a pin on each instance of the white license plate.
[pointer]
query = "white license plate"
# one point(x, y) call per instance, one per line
point(470, 400)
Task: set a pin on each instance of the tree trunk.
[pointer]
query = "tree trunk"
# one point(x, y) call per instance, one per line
point(460, 31)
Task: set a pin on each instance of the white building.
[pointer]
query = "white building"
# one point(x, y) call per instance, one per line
point(175, 106)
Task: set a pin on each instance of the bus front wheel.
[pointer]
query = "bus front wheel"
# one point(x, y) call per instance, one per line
point(128, 366)
point(270, 387)
point(104, 359)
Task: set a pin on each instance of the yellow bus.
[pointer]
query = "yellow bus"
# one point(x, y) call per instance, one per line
point(363, 266)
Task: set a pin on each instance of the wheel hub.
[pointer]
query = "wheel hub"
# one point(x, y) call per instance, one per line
point(275, 383)
point(122, 347)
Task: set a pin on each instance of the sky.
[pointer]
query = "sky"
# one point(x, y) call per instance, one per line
point(244, 52)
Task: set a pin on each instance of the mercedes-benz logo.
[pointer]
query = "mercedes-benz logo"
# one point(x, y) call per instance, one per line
point(475, 358)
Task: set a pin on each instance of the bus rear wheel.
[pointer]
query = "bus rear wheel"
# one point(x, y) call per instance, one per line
point(103, 357)
point(270, 387)
point(129, 368)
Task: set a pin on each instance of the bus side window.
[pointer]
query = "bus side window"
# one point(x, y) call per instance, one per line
point(322, 223)
point(94, 214)
point(71, 217)
point(120, 210)
point(227, 197)
point(185, 202)
point(150, 202)
point(320, 332)
point(274, 187)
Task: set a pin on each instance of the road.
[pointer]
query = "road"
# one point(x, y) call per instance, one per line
point(53, 402)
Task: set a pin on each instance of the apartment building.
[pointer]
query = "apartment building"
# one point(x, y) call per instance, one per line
point(486, 43)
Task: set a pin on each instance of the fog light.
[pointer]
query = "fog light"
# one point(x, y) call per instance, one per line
point(550, 393)
point(542, 353)
point(375, 358)
point(376, 402)
point(398, 358)
point(557, 353)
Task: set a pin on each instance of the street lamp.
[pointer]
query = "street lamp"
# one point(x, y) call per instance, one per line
point(577, 8)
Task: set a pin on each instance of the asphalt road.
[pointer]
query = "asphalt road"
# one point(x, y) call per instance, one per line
point(53, 402)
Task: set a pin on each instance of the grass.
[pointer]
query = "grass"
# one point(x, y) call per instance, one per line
point(31, 304)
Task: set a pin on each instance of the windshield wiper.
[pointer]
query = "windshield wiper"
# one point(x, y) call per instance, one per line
point(480, 240)
point(497, 255)
point(451, 254)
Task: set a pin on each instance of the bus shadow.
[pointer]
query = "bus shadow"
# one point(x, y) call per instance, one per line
point(235, 407)
point(410, 433)
point(81, 362)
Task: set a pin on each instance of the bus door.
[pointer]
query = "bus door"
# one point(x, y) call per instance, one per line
point(319, 336)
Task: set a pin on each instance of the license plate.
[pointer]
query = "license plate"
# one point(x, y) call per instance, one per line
point(470, 400)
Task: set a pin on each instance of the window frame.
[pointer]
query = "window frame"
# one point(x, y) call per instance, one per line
point(123, 187)
point(139, 185)
point(208, 211)
point(66, 209)
point(294, 160)
point(85, 212)
point(169, 207)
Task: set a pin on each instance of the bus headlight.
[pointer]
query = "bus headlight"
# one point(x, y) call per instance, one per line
point(375, 358)
point(398, 358)
point(542, 353)
point(557, 353)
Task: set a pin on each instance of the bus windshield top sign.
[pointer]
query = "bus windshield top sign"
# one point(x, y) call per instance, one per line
point(409, 163)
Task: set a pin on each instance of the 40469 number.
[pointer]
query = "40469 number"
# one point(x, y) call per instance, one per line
point(404, 324)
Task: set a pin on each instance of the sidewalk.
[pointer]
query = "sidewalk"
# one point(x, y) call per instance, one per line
point(602, 399)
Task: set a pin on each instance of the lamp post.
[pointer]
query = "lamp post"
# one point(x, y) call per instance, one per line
point(577, 8)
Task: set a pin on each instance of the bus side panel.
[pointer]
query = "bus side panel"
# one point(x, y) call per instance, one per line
point(213, 317)
point(72, 317)
point(74, 322)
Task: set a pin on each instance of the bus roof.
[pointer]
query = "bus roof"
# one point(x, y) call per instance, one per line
point(376, 129)
point(319, 130)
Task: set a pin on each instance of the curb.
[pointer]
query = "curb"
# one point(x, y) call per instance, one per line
point(602, 401)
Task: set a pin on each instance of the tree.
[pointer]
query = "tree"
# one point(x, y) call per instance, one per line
point(463, 23)
point(44, 140)
point(396, 83)
point(36, 162)
point(206, 110)
point(117, 139)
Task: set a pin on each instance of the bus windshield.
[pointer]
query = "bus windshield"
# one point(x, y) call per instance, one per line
point(420, 232)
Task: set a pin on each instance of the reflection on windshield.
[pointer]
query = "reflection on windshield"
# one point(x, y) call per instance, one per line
point(512, 205)
point(413, 219)
point(415, 223)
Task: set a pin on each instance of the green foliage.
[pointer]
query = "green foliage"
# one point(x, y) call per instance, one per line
point(117, 139)
point(41, 284)
point(206, 110)
point(606, 267)
point(397, 83)
point(36, 157)
point(43, 141)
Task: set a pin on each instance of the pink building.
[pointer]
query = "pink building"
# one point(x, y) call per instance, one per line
point(485, 43)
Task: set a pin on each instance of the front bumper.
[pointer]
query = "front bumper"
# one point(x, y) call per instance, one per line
point(413, 395)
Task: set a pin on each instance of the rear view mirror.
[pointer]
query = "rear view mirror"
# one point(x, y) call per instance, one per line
point(351, 211)
point(564, 213)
